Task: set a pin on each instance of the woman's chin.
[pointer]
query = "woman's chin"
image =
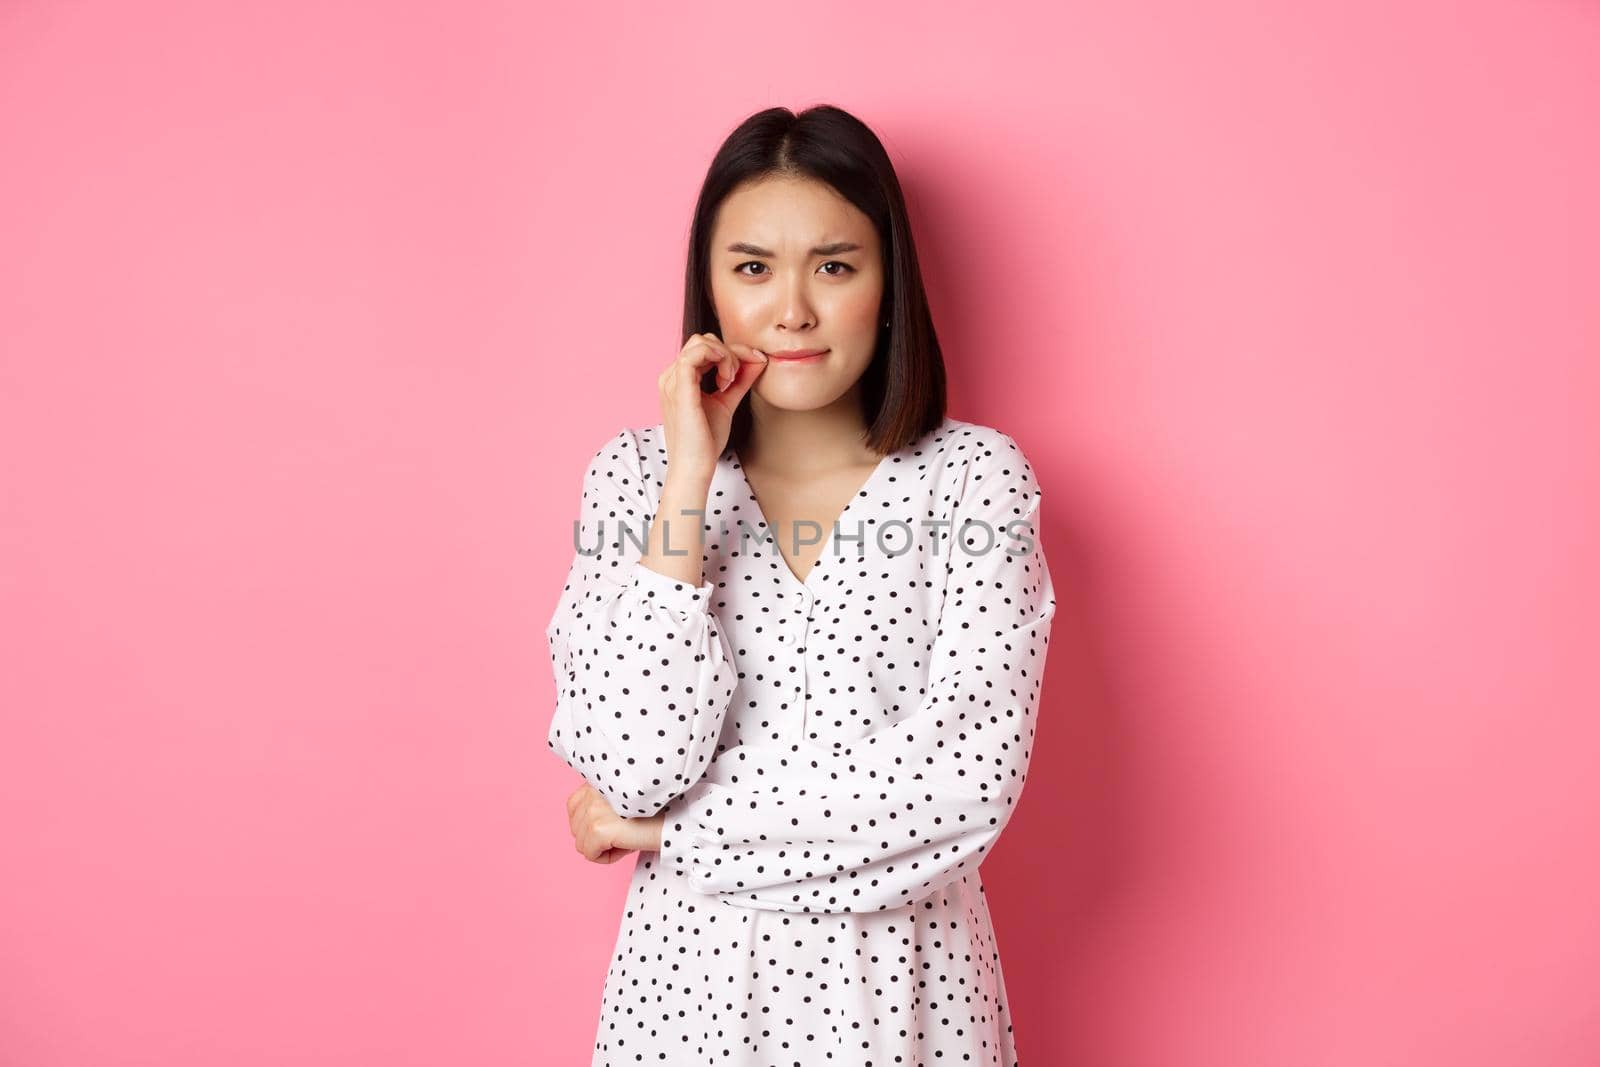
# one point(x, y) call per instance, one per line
point(784, 398)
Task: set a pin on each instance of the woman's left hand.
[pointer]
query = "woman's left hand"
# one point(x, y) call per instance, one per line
point(601, 834)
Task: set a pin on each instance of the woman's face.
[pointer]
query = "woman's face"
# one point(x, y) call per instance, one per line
point(796, 266)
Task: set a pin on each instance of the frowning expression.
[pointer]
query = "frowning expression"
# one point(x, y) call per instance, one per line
point(795, 267)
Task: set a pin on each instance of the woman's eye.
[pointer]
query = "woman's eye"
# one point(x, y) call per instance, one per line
point(740, 269)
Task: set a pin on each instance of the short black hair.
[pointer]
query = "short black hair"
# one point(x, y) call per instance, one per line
point(903, 387)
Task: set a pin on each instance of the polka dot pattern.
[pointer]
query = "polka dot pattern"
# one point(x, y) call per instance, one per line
point(833, 755)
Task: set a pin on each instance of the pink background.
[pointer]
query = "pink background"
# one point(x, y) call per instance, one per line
point(311, 313)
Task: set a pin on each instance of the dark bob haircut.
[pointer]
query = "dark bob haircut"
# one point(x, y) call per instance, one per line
point(903, 387)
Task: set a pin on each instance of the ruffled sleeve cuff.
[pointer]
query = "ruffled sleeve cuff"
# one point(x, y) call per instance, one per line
point(688, 840)
point(681, 597)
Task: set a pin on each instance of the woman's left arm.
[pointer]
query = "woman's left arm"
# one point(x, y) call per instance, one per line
point(907, 809)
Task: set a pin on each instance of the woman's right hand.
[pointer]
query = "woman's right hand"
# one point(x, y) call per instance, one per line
point(697, 424)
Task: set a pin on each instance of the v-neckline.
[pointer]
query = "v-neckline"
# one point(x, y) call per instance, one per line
point(862, 491)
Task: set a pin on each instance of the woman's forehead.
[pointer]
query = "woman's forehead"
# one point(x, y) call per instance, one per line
point(791, 216)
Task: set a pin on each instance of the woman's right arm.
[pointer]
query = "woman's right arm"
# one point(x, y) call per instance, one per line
point(643, 672)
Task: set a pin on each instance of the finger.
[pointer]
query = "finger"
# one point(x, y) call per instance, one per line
point(578, 815)
point(682, 380)
point(595, 847)
point(739, 354)
point(725, 363)
point(748, 373)
point(697, 356)
point(701, 353)
point(728, 370)
point(592, 840)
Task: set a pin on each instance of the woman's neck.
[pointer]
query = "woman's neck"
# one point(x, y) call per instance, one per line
point(802, 443)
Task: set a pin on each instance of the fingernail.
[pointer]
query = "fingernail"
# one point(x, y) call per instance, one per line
point(760, 353)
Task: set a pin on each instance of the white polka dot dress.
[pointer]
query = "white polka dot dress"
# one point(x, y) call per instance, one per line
point(834, 756)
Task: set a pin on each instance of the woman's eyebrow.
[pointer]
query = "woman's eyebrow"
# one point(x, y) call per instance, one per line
point(746, 249)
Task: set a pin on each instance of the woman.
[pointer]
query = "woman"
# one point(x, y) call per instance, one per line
point(811, 747)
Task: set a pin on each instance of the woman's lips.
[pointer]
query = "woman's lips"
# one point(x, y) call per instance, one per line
point(807, 355)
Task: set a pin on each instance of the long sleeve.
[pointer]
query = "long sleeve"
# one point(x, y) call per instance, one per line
point(905, 810)
point(643, 671)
